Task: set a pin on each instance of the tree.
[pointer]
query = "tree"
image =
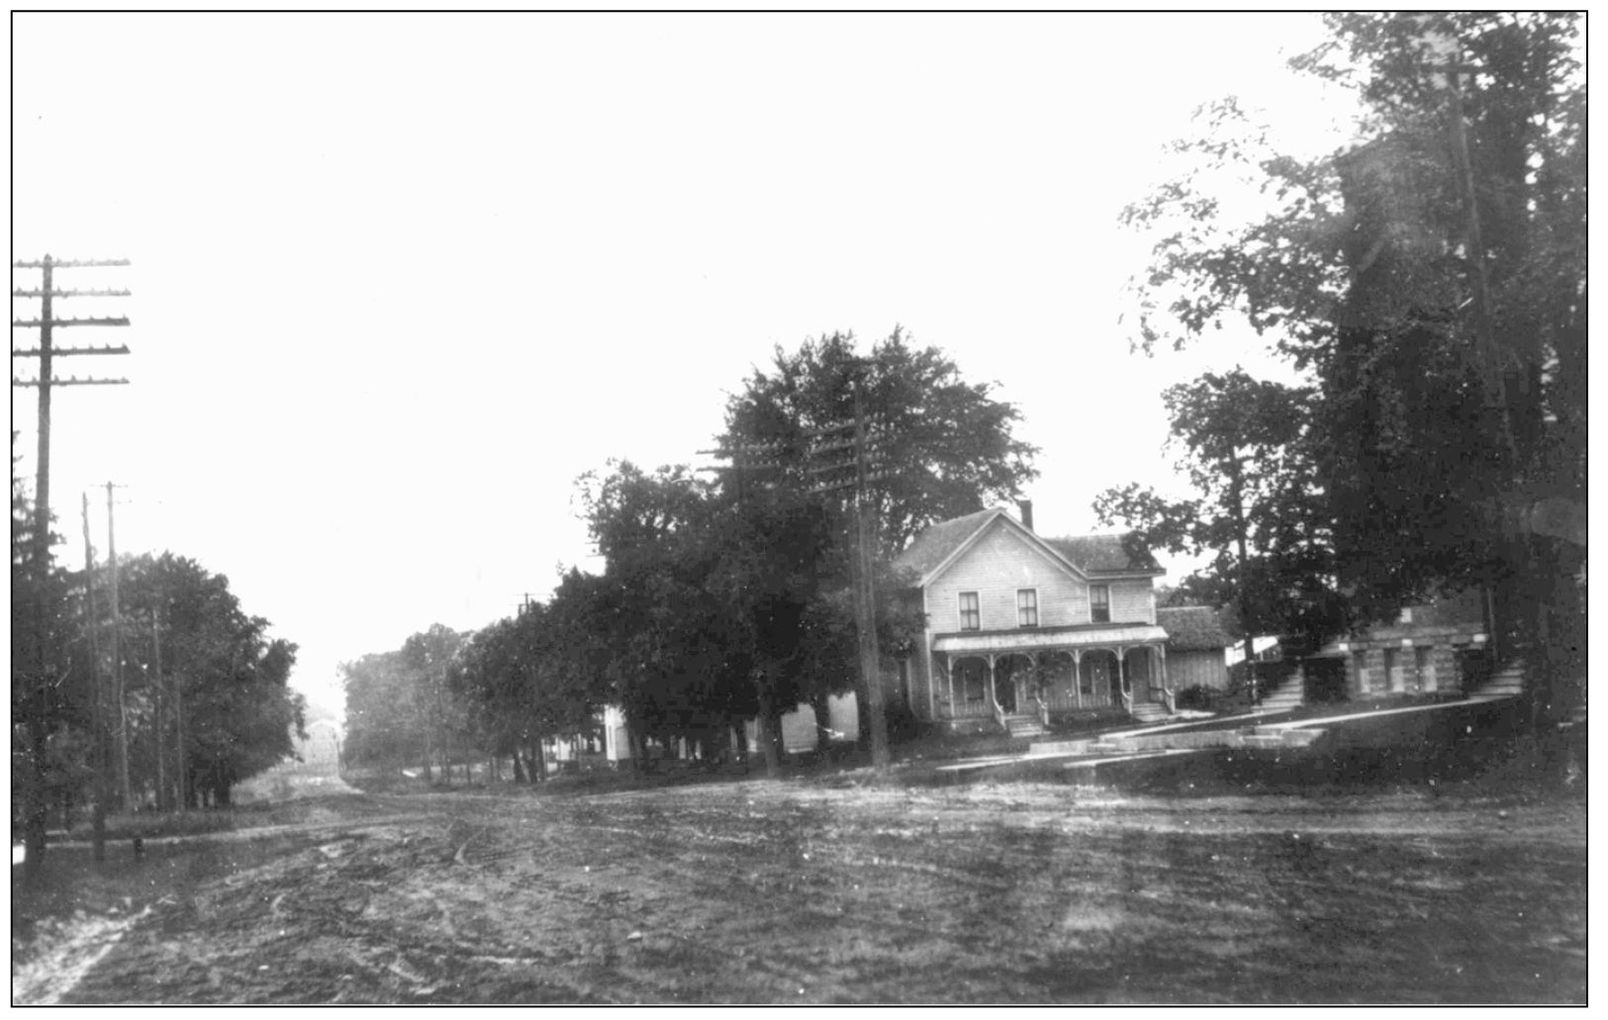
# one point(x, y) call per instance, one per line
point(942, 448)
point(50, 682)
point(678, 667)
point(948, 446)
point(1431, 279)
point(240, 716)
point(534, 677)
point(1247, 452)
point(384, 721)
point(426, 659)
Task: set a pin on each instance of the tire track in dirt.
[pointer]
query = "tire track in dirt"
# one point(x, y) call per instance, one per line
point(50, 975)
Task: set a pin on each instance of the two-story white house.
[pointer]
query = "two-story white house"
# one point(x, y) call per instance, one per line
point(1018, 627)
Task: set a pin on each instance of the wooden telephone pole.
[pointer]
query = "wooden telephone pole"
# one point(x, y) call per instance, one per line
point(828, 456)
point(120, 716)
point(97, 711)
point(46, 323)
point(830, 443)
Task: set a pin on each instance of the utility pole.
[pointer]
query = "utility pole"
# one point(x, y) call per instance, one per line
point(156, 704)
point(46, 352)
point(96, 709)
point(178, 725)
point(123, 789)
point(37, 698)
point(749, 457)
point(867, 468)
point(826, 449)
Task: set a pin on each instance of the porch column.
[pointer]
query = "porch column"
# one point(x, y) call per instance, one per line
point(949, 680)
point(1077, 678)
point(1122, 681)
point(993, 695)
point(1160, 652)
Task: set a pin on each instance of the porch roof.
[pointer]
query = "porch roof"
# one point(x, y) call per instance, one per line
point(1050, 638)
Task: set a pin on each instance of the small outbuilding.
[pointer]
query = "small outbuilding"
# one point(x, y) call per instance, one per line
point(1197, 637)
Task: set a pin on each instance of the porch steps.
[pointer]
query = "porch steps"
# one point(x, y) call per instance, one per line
point(1290, 694)
point(1507, 682)
point(1149, 712)
point(1024, 726)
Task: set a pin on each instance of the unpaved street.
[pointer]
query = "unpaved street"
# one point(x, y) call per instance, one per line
point(809, 892)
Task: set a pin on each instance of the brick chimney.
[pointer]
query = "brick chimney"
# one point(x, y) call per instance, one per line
point(1026, 508)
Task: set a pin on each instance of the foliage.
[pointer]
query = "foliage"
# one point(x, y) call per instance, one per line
point(939, 447)
point(240, 716)
point(720, 601)
point(1247, 452)
point(384, 721)
point(403, 704)
point(947, 446)
point(1430, 278)
point(534, 676)
point(679, 664)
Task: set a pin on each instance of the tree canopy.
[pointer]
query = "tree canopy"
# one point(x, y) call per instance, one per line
point(1429, 278)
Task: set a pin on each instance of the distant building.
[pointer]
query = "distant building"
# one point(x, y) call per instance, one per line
point(1437, 648)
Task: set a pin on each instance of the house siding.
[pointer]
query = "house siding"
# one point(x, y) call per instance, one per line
point(1131, 601)
point(1197, 669)
point(999, 562)
point(995, 567)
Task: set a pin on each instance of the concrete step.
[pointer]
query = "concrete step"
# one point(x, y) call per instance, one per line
point(1024, 726)
point(1046, 747)
point(1149, 711)
point(1287, 695)
point(1506, 683)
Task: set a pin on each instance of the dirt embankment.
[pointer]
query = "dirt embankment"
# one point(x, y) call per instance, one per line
point(791, 892)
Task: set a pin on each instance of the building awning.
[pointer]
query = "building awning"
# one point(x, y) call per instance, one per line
point(1029, 639)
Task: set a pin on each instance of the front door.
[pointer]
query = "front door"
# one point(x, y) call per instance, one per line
point(1005, 689)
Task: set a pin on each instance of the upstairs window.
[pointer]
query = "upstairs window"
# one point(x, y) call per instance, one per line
point(1027, 607)
point(971, 616)
point(1100, 603)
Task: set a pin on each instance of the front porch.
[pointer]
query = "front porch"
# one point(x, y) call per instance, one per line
point(1049, 675)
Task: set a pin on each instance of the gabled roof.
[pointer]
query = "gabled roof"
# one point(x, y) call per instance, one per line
point(1194, 628)
point(940, 541)
point(1105, 554)
point(1088, 554)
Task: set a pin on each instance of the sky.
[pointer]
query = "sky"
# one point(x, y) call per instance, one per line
point(398, 280)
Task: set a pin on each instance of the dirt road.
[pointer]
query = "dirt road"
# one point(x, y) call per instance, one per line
point(797, 892)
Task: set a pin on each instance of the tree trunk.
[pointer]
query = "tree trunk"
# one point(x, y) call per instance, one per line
point(519, 770)
point(768, 731)
point(36, 807)
point(821, 703)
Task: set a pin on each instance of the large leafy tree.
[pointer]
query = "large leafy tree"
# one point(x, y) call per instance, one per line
point(1430, 277)
point(534, 676)
point(1246, 449)
point(946, 447)
point(385, 722)
point(403, 706)
point(240, 716)
point(426, 660)
point(676, 667)
point(938, 447)
point(50, 682)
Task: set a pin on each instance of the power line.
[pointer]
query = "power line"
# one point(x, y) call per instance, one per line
point(36, 704)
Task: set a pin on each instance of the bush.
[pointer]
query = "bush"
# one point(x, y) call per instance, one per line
point(1199, 698)
point(901, 722)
